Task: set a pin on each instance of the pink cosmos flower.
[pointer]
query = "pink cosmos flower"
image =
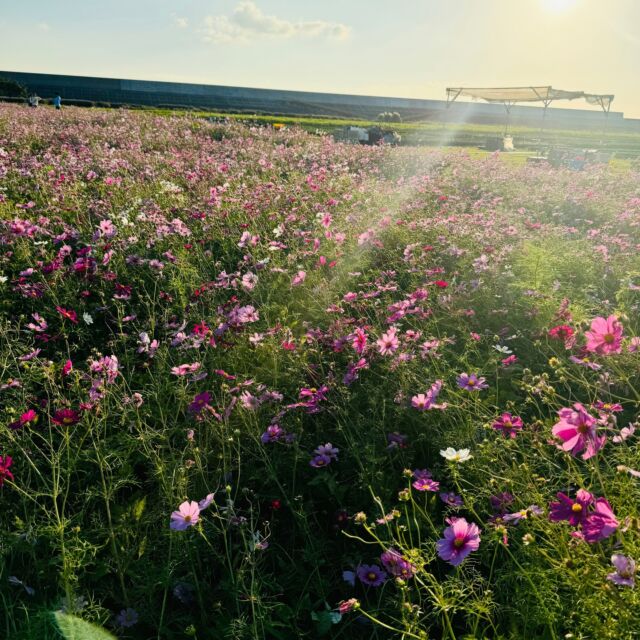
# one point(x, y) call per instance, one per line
point(605, 336)
point(389, 342)
point(426, 401)
point(577, 430)
point(186, 516)
point(600, 524)
point(460, 539)
point(184, 369)
point(298, 278)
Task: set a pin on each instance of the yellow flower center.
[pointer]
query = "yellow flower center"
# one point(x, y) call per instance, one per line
point(576, 508)
point(187, 518)
point(458, 542)
point(609, 338)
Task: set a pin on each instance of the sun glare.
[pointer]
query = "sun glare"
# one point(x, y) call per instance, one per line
point(558, 6)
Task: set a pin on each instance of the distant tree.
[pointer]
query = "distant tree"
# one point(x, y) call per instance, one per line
point(388, 116)
point(11, 88)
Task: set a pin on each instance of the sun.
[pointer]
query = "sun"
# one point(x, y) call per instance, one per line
point(558, 6)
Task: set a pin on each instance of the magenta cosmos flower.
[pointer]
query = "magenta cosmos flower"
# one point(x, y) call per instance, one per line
point(460, 539)
point(605, 336)
point(625, 569)
point(600, 524)
point(577, 430)
point(508, 425)
point(424, 481)
point(5, 474)
point(574, 511)
point(66, 417)
point(186, 516)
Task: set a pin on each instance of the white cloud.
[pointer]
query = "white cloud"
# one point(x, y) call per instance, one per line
point(43, 26)
point(248, 22)
point(181, 23)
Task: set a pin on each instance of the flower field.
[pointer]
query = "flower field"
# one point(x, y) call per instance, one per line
point(259, 384)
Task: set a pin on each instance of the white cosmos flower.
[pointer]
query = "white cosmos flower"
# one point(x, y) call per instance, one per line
point(87, 318)
point(456, 456)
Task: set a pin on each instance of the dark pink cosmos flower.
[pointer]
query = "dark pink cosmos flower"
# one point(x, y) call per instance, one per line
point(67, 367)
point(359, 341)
point(460, 539)
point(577, 430)
point(574, 511)
point(5, 474)
point(508, 425)
point(66, 417)
point(199, 402)
point(69, 314)
point(27, 419)
point(561, 332)
point(605, 336)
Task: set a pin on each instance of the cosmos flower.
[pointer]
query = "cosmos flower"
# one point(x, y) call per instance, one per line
point(66, 417)
point(600, 524)
point(426, 401)
point(5, 474)
point(508, 425)
point(186, 516)
point(423, 481)
point(574, 511)
point(625, 570)
point(452, 455)
point(451, 499)
point(577, 430)
point(389, 342)
point(605, 336)
point(69, 314)
point(371, 575)
point(471, 382)
point(460, 539)
point(396, 565)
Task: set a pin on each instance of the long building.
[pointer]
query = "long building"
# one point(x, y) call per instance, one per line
point(272, 101)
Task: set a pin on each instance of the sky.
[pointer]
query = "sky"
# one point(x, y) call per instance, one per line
point(401, 48)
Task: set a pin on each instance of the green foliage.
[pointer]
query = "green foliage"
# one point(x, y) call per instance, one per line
point(74, 628)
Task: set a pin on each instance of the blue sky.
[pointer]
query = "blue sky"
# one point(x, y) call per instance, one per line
point(412, 48)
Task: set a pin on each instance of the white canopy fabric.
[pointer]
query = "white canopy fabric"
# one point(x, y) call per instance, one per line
point(515, 94)
point(510, 95)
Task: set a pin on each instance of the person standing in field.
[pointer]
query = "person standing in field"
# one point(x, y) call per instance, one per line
point(57, 102)
point(34, 99)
